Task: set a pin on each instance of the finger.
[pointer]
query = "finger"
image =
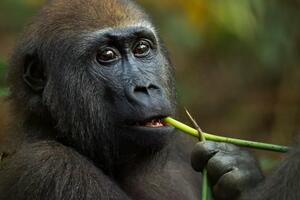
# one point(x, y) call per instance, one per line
point(202, 152)
point(230, 185)
point(219, 165)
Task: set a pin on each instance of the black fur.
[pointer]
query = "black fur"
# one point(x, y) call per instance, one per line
point(283, 184)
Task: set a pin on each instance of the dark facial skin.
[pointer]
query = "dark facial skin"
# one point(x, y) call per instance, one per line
point(90, 84)
point(127, 65)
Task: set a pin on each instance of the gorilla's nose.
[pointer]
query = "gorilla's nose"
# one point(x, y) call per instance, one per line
point(145, 95)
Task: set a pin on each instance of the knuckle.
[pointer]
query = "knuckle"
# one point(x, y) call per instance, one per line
point(220, 161)
point(203, 150)
point(199, 146)
point(231, 183)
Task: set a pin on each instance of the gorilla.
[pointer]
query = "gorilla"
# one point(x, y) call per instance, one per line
point(90, 83)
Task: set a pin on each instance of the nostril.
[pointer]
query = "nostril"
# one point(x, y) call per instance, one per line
point(140, 89)
point(143, 89)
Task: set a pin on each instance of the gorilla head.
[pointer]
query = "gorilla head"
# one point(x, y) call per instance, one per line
point(96, 81)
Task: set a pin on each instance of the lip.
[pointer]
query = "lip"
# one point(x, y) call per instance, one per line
point(147, 136)
point(158, 130)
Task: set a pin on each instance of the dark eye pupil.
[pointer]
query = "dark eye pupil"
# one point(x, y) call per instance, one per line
point(107, 55)
point(142, 48)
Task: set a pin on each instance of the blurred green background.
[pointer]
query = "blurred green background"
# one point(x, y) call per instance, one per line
point(237, 62)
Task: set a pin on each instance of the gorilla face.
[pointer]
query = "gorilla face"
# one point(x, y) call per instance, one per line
point(112, 85)
point(135, 80)
point(129, 68)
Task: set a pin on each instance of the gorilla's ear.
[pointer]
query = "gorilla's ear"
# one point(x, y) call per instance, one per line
point(33, 74)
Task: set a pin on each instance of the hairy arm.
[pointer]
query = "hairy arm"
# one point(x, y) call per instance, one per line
point(282, 184)
point(50, 171)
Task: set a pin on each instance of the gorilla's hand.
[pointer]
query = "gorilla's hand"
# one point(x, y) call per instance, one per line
point(231, 170)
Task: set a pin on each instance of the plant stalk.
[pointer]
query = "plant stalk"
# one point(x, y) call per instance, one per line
point(206, 190)
point(245, 143)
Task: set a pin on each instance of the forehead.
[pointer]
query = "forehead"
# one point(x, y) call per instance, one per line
point(142, 27)
point(66, 20)
point(93, 13)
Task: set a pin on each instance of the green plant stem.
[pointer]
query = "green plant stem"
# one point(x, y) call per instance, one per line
point(206, 190)
point(246, 143)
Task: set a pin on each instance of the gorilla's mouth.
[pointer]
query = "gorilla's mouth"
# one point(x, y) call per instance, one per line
point(152, 123)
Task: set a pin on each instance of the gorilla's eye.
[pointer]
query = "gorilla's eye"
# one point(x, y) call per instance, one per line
point(107, 55)
point(142, 48)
